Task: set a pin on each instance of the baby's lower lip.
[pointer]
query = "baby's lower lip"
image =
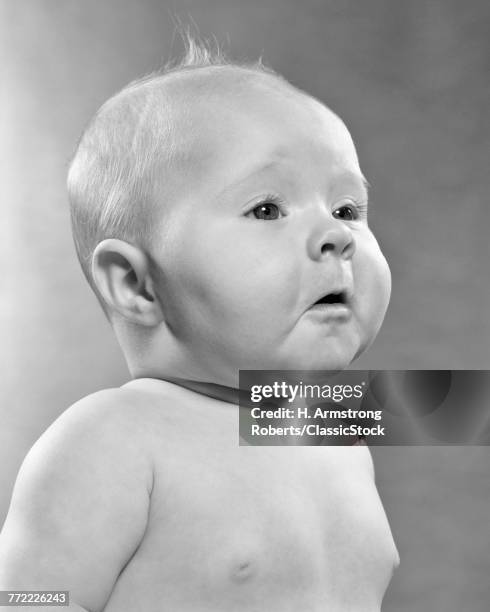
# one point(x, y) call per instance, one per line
point(331, 311)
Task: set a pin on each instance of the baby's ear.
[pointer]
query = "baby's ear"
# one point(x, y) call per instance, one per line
point(121, 273)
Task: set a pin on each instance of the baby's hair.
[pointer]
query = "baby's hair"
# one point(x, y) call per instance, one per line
point(112, 173)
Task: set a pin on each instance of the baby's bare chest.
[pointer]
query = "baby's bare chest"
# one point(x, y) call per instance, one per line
point(262, 529)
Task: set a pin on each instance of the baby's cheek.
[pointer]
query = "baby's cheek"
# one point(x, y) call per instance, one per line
point(253, 274)
point(381, 273)
point(384, 277)
point(372, 278)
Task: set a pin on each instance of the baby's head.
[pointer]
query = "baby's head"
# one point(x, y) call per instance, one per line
point(215, 207)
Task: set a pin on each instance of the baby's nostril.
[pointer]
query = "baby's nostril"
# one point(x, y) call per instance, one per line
point(328, 246)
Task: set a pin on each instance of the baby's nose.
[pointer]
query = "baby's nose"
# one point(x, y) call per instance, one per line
point(332, 237)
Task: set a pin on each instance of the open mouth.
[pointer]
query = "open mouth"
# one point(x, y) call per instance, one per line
point(333, 298)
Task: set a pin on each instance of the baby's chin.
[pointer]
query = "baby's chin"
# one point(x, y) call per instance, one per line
point(333, 356)
point(329, 355)
point(331, 364)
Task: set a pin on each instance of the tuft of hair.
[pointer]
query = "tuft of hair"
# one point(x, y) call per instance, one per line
point(111, 174)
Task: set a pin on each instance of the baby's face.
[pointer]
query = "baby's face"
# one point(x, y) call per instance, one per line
point(268, 217)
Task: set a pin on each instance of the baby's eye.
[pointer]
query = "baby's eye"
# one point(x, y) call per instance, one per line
point(267, 211)
point(348, 212)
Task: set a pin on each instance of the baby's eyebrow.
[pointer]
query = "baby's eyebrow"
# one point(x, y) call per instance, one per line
point(354, 179)
point(258, 169)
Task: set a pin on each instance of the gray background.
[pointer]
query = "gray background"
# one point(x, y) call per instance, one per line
point(411, 81)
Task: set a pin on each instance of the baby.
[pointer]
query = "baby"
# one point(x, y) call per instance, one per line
point(212, 207)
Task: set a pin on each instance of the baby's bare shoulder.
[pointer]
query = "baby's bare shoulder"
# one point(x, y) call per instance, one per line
point(115, 407)
point(123, 418)
point(81, 500)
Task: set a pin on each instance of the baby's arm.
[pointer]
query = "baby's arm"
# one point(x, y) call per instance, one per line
point(80, 504)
